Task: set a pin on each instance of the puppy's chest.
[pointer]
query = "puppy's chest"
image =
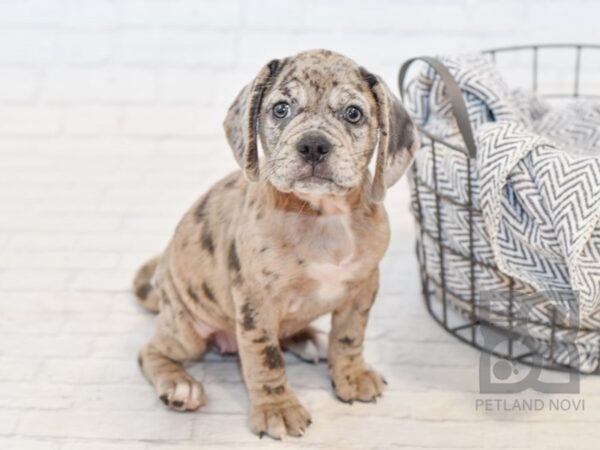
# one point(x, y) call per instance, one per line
point(330, 254)
point(331, 280)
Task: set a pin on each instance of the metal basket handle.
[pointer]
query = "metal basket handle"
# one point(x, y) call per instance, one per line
point(459, 109)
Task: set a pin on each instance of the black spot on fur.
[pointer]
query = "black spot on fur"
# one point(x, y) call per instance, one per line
point(193, 294)
point(234, 261)
point(164, 297)
point(207, 240)
point(286, 91)
point(261, 340)
point(315, 85)
point(273, 358)
point(140, 361)
point(177, 403)
point(143, 291)
point(248, 317)
point(273, 67)
point(238, 279)
point(208, 292)
point(346, 340)
point(276, 390)
point(164, 399)
point(200, 212)
point(300, 262)
point(368, 77)
point(264, 249)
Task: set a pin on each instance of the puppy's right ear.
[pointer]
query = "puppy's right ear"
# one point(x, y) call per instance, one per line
point(241, 122)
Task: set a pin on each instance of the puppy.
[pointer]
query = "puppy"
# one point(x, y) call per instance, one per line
point(287, 239)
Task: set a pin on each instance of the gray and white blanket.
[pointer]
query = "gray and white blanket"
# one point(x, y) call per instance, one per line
point(537, 185)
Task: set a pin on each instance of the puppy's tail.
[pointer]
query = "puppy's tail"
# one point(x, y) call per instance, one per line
point(143, 288)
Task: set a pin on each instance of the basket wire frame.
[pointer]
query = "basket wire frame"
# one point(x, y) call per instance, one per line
point(436, 293)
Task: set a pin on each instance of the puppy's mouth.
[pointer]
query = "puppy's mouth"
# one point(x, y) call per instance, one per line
point(314, 185)
point(317, 175)
point(315, 179)
point(317, 183)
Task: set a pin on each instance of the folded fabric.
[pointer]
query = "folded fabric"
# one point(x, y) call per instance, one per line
point(541, 206)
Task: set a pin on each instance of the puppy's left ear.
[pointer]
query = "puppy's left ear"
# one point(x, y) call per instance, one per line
point(398, 138)
point(241, 122)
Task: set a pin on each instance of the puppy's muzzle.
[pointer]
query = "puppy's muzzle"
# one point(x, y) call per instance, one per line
point(313, 148)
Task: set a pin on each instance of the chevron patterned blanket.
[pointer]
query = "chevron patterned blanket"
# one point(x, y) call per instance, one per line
point(537, 196)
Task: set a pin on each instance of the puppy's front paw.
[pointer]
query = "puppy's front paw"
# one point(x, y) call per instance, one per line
point(357, 383)
point(278, 419)
point(181, 392)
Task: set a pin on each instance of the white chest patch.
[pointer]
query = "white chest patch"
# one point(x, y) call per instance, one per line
point(331, 278)
point(333, 262)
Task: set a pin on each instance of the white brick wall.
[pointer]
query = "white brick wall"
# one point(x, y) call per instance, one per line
point(58, 54)
point(110, 126)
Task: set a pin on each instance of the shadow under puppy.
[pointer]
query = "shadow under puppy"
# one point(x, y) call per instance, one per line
point(288, 239)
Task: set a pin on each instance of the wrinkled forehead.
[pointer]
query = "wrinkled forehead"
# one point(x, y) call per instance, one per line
point(322, 76)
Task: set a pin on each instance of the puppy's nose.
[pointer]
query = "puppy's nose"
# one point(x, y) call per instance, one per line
point(313, 148)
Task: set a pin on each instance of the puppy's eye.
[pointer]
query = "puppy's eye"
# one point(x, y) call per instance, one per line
point(281, 110)
point(353, 114)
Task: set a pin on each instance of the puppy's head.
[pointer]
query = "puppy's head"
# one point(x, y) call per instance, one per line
point(320, 117)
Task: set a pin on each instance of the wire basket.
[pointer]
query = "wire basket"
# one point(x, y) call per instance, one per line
point(476, 322)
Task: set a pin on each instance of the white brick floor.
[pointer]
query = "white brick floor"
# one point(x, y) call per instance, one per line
point(79, 216)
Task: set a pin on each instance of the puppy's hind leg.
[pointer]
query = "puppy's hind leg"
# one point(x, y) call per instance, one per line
point(161, 360)
point(144, 290)
point(309, 344)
